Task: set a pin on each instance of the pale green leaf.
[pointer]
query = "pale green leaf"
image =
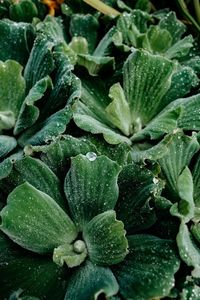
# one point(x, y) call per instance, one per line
point(7, 144)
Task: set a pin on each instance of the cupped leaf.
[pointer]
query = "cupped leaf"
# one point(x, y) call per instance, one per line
point(90, 281)
point(180, 152)
point(40, 60)
point(173, 25)
point(47, 130)
point(143, 88)
point(35, 221)
point(7, 144)
point(105, 239)
point(23, 11)
point(29, 112)
point(189, 118)
point(137, 186)
point(16, 40)
point(37, 276)
point(185, 208)
point(188, 249)
point(85, 26)
point(148, 270)
point(37, 173)
point(118, 109)
point(57, 154)
point(87, 195)
point(12, 88)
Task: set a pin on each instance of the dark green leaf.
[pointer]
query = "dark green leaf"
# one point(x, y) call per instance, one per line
point(87, 195)
point(16, 40)
point(133, 208)
point(148, 270)
point(89, 282)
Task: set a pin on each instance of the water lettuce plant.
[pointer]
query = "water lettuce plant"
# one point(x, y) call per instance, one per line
point(99, 151)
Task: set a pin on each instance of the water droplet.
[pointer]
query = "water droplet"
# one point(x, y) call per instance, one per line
point(91, 156)
point(155, 180)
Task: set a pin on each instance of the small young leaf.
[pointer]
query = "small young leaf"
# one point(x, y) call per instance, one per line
point(105, 239)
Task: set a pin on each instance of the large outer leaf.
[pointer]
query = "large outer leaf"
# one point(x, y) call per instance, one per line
point(148, 270)
point(37, 173)
point(105, 239)
point(136, 189)
point(90, 281)
point(36, 275)
point(180, 152)
point(12, 87)
point(87, 195)
point(143, 87)
point(35, 221)
point(16, 40)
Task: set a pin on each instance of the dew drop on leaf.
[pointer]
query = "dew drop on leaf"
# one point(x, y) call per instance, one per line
point(91, 156)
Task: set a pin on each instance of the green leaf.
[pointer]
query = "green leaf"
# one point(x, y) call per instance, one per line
point(35, 273)
point(190, 293)
point(85, 26)
point(189, 119)
point(7, 144)
point(196, 181)
point(185, 208)
point(35, 221)
point(29, 112)
point(38, 175)
point(40, 60)
point(67, 86)
point(47, 130)
point(148, 270)
point(88, 196)
point(133, 208)
point(12, 91)
point(57, 154)
point(95, 64)
point(157, 40)
point(90, 281)
point(180, 152)
point(183, 80)
point(173, 25)
point(143, 88)
point(118, 109)
point(188, 250)
point(23, 11)
point(105, 239)
point(181, 48)
point(16, 40)
point(162, 123)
